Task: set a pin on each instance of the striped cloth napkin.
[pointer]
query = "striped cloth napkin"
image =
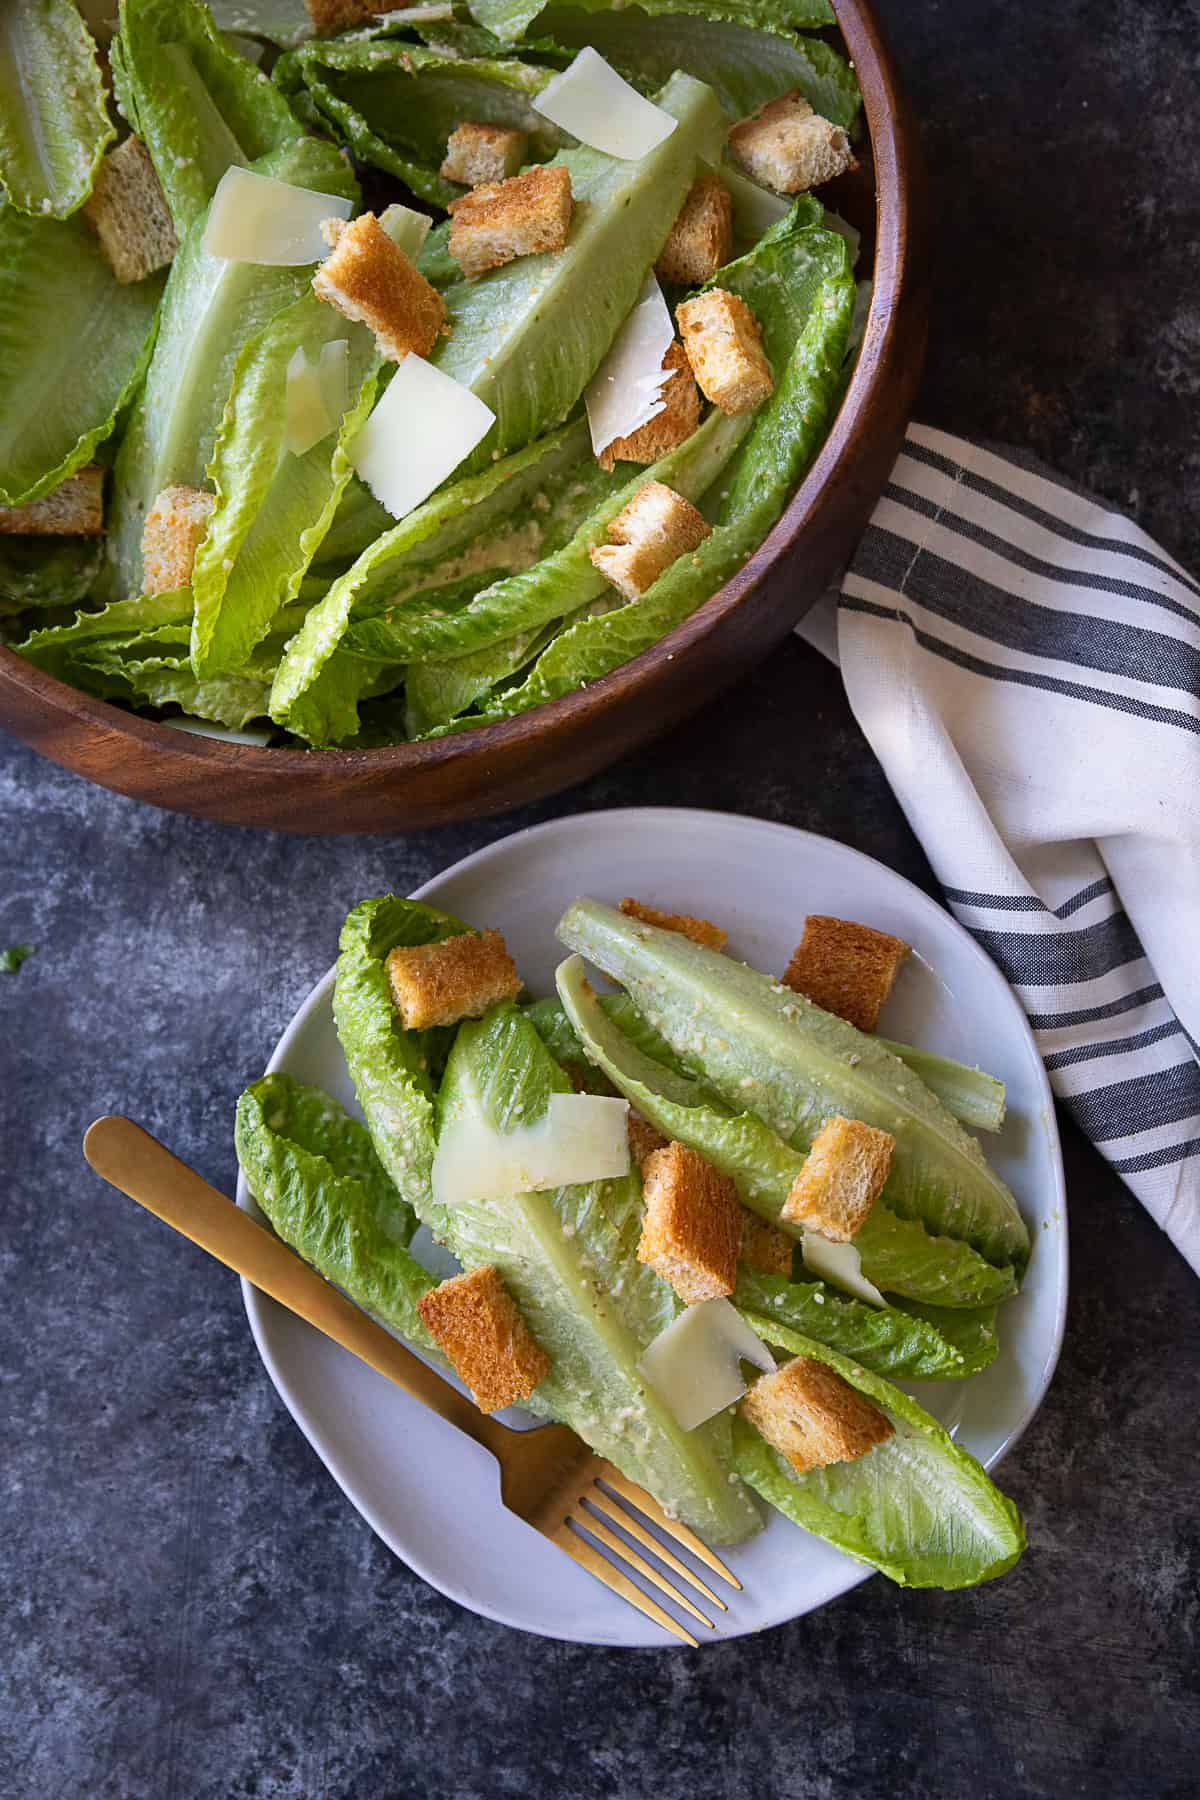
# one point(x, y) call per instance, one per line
point(1026, 667)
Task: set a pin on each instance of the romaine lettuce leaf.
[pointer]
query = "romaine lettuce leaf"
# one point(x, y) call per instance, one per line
point(918, 1507)
point(510, 19)
point(54, 121)
point(756, 1041)
point(232, 700)
point(315, 1174)
point(438, 692)
point(52, 647)
point(904, 1345)
point(74, 346)
point(39, 572)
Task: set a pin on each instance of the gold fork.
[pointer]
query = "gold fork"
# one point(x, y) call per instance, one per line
point(548, 1476)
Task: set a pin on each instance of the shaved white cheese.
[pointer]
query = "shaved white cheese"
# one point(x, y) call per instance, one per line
point(256, 219)
point(420, 431)
point(406, 228)
point(755, 209)
point(579, 1138)
point(306, 417)
point(626, 391)
point(598, 106)
point(841, 1264)
point(333, 372)
point(695, 1365)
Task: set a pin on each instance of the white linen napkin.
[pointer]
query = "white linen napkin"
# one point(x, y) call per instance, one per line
point(1026, 667)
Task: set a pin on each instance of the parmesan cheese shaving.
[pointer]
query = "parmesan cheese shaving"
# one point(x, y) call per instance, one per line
point(256, 219)
point(841, 1264)
point(579, 1138)
point(695, 1364)
point(306, 416)
point(418, 433)
point(406, 228)
point(755, 209)
point(598, 106)
point(626, 391)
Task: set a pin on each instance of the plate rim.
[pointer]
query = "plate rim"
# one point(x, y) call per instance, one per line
point(253, 1300)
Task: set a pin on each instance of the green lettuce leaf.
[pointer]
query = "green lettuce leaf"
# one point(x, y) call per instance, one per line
point(899, 1343)
point(756, 1041)
point(40, 572)
point(198, 106)
point(510, 19)
point(53, 647)
point(54, 121)
point(977, 1100)
point(918, 1507)
point(74, 346)
point(441, 691)
point(211, 308)
point(314, 1173)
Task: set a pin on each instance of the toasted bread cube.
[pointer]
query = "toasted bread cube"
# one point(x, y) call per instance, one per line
point(764, 1246)
point(789, 148)
point(331, 16)
point(656, 528)
point(474, 1319)
point(841, 1180)
point(524, 216)
point(367, 277)
point(644, 1138)
point(813, 1417)
point(75, 508)
point(701, 931)
point(173, 532)
point(845, 968)
point(459, 978)
point(701, 238)
point(128, 211)
point(724, 346)
point(478, 153)
point(692, 1228)
point(677, 421)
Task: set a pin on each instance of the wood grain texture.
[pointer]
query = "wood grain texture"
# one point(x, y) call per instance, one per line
point(486, 771)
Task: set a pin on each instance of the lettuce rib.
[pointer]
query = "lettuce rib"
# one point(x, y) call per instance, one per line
point(54, 121)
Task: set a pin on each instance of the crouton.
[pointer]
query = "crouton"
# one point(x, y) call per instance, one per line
point(367, 277)
point(845, 968)
point(644, 1138)
point(502, 220)
point(474, 1319)
point(75, 508)
point(128, 211)
point(677, 421)
point(692, 1227)
point(477, 153)
point(724, 346)
point(459, 978)
point(841, 1180)
point(789, 148)
point(656, 528)
point(701, 931)
point(813, 1417)
point(173, 532)
point(701, 238)
point(331, 16)
point(764, 1246)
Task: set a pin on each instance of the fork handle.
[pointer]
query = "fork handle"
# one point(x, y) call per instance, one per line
point(138, 1165)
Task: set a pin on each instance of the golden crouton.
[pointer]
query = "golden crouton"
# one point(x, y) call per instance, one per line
point(173, 532)
point(477, 153)
point(701, 931)
point(523, 216)
point(677, 421)
point(724, 346)
point(459, 978)
point(789, 148)
point(764, 1246)
point(701, 238)
point(128, 211)
point(841, 1180)
point(644, 1138)
point(474, 1319)
point(75, 508)
point(656, 528)
point(331, 16)
point(368, 277)
point(848, 969)
point(692, 1228)
point(813, 1417)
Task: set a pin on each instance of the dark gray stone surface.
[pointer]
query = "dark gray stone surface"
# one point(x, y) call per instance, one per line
point(191, 1611)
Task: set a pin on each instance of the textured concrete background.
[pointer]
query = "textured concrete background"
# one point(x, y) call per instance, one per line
point(191, 1611)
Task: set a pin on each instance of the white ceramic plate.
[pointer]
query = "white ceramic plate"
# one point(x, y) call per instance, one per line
point(430, 1493)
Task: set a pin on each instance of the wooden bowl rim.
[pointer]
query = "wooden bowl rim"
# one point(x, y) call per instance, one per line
point(894, 208)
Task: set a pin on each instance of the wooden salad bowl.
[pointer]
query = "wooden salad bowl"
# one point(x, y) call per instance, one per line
point(488, 770)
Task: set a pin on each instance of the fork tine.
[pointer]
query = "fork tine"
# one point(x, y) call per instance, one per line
point(589, 1558)
point(596, 1496)
point(647, 1504)
point(635, 1560)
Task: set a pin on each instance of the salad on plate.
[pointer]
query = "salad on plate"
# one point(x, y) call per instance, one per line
point(372, 373)
point(703, 1214)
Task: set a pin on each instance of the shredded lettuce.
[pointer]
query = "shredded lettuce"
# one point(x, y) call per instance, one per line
point(54, 120)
